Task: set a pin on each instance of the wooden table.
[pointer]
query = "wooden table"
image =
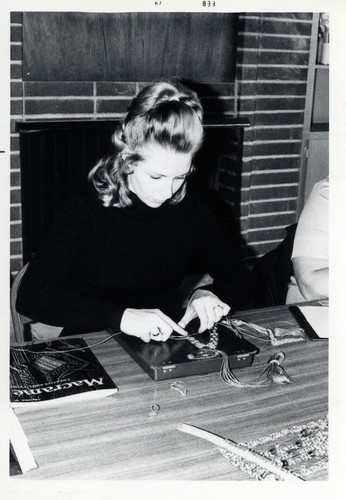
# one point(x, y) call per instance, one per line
point(115, 438)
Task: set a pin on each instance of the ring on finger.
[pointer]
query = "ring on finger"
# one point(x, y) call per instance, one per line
point(157, 333)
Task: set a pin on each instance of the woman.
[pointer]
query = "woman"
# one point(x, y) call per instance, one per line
point(114, 258)
point(310, 254)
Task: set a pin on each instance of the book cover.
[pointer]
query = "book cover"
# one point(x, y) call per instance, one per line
point(54, 371)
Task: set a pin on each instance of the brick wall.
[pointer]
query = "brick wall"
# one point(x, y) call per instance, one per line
point(272, 75)
point(269, 90)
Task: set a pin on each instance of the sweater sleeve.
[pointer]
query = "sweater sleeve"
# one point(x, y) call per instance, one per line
point(43, 294)
point(218, 252)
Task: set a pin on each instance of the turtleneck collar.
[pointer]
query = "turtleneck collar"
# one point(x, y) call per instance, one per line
point(139, 210)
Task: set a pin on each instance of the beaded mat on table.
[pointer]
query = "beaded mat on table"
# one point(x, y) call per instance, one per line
point(301, 449)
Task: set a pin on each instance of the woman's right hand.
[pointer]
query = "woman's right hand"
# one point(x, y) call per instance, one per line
point(149, 324)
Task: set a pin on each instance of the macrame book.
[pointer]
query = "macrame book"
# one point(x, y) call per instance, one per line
point(55, 371)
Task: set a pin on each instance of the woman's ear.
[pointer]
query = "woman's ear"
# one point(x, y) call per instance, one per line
point(128, 169)
point(124, 155)
point(127, 162)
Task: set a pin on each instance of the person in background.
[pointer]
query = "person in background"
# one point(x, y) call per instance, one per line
point(115, 257)
point(310, 249)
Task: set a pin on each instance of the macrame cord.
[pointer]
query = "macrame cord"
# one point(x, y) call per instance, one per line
point(274, 372)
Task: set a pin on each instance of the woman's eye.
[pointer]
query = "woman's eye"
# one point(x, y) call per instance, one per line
point(157, 178)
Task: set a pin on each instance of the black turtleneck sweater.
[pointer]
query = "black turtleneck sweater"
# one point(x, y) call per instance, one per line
point(97, 261)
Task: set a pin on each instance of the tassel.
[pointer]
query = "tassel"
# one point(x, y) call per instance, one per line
point(240, 451)
point(274, 372)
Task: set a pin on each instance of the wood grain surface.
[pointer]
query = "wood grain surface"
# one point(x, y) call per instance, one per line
point(129, 46)
point(115, 438)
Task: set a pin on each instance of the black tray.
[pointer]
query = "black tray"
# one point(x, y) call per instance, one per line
point(180, 358)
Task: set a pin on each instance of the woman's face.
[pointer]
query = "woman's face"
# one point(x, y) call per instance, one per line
point(160, 175)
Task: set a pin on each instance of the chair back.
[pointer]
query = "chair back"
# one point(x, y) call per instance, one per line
point(18, 320)
point(272, 272)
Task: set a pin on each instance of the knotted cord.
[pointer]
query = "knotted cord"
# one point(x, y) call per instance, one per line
point(273, 373)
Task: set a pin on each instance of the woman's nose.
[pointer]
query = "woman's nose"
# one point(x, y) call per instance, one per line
point(167, 190)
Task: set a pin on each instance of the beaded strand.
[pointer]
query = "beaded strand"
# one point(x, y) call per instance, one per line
point(303, 450)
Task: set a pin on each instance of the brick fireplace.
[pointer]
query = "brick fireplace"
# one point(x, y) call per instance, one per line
point(268, 92)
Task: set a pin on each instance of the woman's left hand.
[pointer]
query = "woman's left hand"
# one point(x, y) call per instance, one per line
point(207, 307)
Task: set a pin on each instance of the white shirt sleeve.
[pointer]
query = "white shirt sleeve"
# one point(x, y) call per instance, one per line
point(311, 238)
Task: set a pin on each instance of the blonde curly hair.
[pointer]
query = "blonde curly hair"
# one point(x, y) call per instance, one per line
point(165, 114)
